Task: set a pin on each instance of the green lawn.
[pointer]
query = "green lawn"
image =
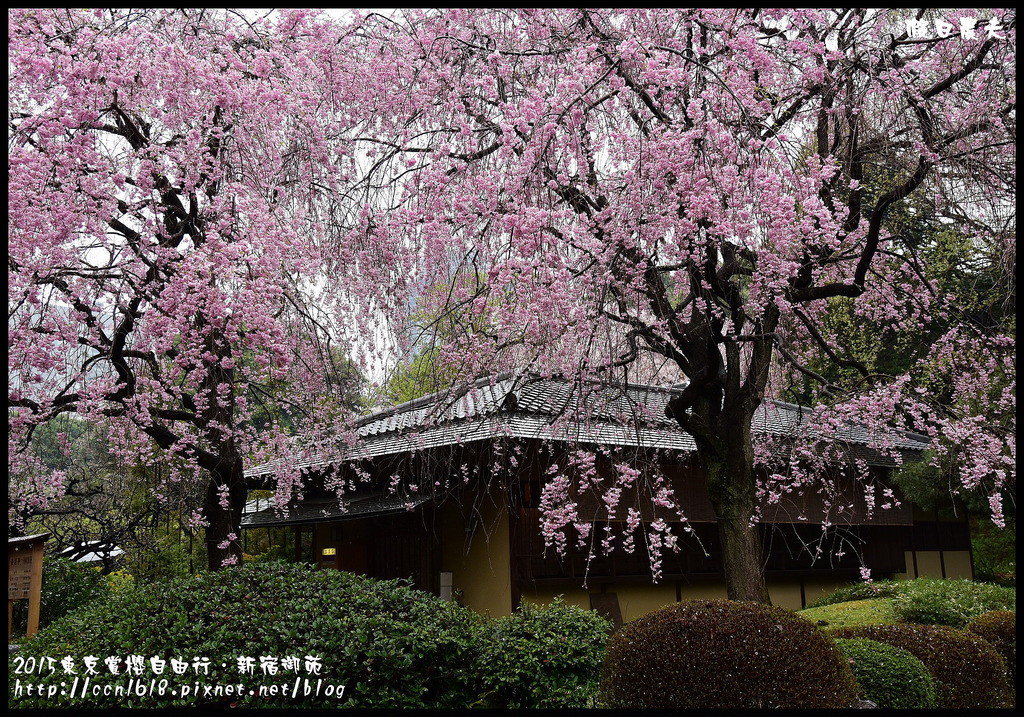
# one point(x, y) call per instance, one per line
point(877, 611)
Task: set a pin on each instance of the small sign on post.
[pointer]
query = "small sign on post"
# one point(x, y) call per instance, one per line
point(25, 578)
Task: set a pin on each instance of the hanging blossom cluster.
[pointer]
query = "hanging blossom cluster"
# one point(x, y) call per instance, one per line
point(619, 494)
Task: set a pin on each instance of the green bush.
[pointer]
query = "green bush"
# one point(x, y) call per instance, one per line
point(275, 553)
point(968, 671)
point(387, 645)
point(119, 581)
point(858, 591)
point(999, 629)
point(543, 656)
point(889, 676)
point(717, 653)
point(949, 602)
point(165, 558)
point(994, 550)
point(928, 601)
point(66, 586)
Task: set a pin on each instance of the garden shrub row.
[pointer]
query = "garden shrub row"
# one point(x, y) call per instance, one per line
point(969, 673)
point(389, 646)
point(722, 654)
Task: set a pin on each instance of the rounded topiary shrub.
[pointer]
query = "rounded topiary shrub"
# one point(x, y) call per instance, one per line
point(968, 671)
point(718, 653)
point(379, 644)
point(889, 676)
point(543, 656)
point(999, 629)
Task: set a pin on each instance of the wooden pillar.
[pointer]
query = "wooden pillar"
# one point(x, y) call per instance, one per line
point(36, 590)
point(298, 543)
point(314, 548)
point(429, 575)
point(516, 553)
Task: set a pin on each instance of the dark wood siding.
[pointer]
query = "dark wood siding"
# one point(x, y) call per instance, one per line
point(938, 535)
point(788, 550)
point(690, 495)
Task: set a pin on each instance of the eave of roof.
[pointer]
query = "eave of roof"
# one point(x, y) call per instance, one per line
point(317, 510)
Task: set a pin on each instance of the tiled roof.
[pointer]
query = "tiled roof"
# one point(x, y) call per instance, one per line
point(523, 407)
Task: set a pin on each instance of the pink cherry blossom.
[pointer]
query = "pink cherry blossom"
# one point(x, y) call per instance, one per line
point(207, 210)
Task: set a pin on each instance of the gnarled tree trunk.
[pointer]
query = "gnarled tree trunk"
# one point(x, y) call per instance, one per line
point(728, 462)
point(223, 521)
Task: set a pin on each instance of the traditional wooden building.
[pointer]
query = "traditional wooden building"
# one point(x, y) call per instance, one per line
point(446, 491)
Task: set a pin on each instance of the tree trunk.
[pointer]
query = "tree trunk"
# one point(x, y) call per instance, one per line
point(222, 521)
point(742, 558)
point(729, 466)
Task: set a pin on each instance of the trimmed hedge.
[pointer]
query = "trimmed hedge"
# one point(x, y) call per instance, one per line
point(999, 629)
point(718, 653)
point(544, 656)
point(968, 671)
point(387, 645)
point(889, 676)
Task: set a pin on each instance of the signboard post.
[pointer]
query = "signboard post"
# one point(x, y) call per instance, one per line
point(25, 578)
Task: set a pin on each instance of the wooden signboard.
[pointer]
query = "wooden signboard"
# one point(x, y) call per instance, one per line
point(25, 578)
